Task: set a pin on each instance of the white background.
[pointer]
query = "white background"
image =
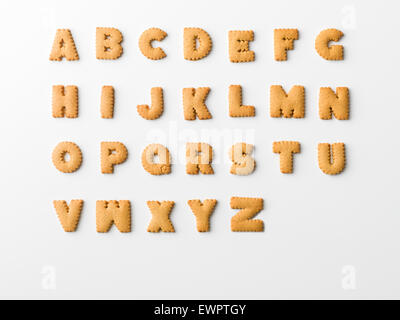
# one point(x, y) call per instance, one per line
point(325, 236)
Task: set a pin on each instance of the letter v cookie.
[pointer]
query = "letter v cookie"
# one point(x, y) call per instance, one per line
point(68, 215)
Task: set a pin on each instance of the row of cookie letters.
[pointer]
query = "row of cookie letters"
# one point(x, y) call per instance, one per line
point(197, 44)
point(331, 158)
point(119, 213)
point(289, 105)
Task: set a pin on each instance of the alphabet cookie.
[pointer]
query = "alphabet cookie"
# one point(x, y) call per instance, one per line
point(199, 158)
point(286, 149)
point(107, 102)
point(190, 38)
point(322, 44)
point(160, 212)
point(65, 102)
point(290, 105)
point(112, 153)
point(236, 109)
point(284, 41)
point(157, 105)
point(202, 211)
point(336, 103)
point(145, 43)
point(331, 162)
point(194, 103)
point(68, 215)
point(113, 212)
point(108, 43)
point(164, 164)
point(243, 221)
point(240, 154)
point(64, 46)
point(239, 46)
point(75, 157)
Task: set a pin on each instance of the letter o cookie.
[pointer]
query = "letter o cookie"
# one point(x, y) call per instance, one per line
point(59, 154)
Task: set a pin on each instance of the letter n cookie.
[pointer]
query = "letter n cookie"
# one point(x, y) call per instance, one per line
point(336, 103)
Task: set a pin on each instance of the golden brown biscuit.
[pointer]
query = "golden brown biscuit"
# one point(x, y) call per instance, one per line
point(242, 221)
point(65, 102)
point(145, 43)
point(239, 46)
point(164, 164)
point(194, 103)
point(68, 215)
point(157, 105)
point(112, 153)
point(236, 109)
point(286, 149)
point(107, 102)
point(190, 38)
point(322, 44)
point(199, 158)
point(108, 43)
point(160, 212)
point(202, 212)
point(331, 163)
point(64, 46)
point(291, 105)
point(243, 163)
point(75, 157)
point(113, 212)
point(283, 41)
point(338, 103)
